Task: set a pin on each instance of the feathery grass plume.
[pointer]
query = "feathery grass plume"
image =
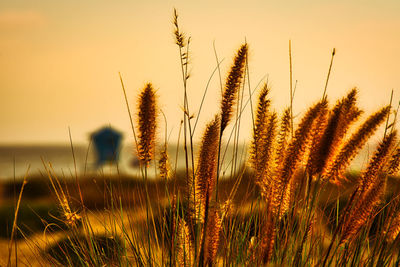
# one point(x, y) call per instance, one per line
point(268, 239)
point(184, 246)
point(287, 196)
point(370, 189)
point(341, 117)
point(71, 217)
point(232, 85)
point(363, 209)
point(265, 154)
point(147, 118)
point(292, 186)
point(316, 136)
point(164, 165)
point(394, 163)
point(348, 114)
point(227, 208)
point(259, 126)
point(214, 226)
point(378, 161)
point(180, 39)
point(267, 142)
point(295, 152)
point(268, 188)
point(335, 172)
point(394, 227)
point(283, 135)
point(205, 175)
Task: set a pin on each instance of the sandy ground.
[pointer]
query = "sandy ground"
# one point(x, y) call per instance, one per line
point(29, 251)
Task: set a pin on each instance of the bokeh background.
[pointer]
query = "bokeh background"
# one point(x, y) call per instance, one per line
point(59, 60)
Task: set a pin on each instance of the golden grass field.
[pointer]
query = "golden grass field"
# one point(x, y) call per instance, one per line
point(101, 217)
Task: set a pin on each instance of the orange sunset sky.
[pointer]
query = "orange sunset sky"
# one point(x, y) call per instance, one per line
point(59, 60)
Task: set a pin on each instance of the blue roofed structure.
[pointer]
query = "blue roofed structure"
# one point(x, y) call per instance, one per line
point(107, 143)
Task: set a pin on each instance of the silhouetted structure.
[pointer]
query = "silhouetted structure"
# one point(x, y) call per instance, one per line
point(107, 142)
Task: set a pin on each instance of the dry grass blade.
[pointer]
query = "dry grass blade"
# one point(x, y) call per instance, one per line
point(232, 85)
point(14, 225)
point(147, 123)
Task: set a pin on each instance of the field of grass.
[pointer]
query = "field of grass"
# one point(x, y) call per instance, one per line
point(292, 203)
point(39, 209)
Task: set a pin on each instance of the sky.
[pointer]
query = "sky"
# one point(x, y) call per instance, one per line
point(59, 60)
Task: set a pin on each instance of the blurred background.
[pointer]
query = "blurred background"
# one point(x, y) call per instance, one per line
point(59, 64)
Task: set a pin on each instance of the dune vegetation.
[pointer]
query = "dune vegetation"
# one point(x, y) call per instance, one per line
point(292, 203)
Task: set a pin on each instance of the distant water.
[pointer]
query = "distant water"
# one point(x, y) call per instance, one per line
point(15, 159)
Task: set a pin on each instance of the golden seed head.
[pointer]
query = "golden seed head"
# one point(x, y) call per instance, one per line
point(298, 145)
point(232, 85)
point(394, 228)
point(147, 124)
point(164, 165)
point(180, 39)
point(394, 164)
point(265, 149)
point(341, 117)
point(205, 175)
point(365, 204)
point(369, 191)
point(259, 126)
point(377, 162)
point(184, 246)
point(280, 188)
point(353, 145)
point(284, 132)
point(214, 226)
point(227, 208)
point(72, 218)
